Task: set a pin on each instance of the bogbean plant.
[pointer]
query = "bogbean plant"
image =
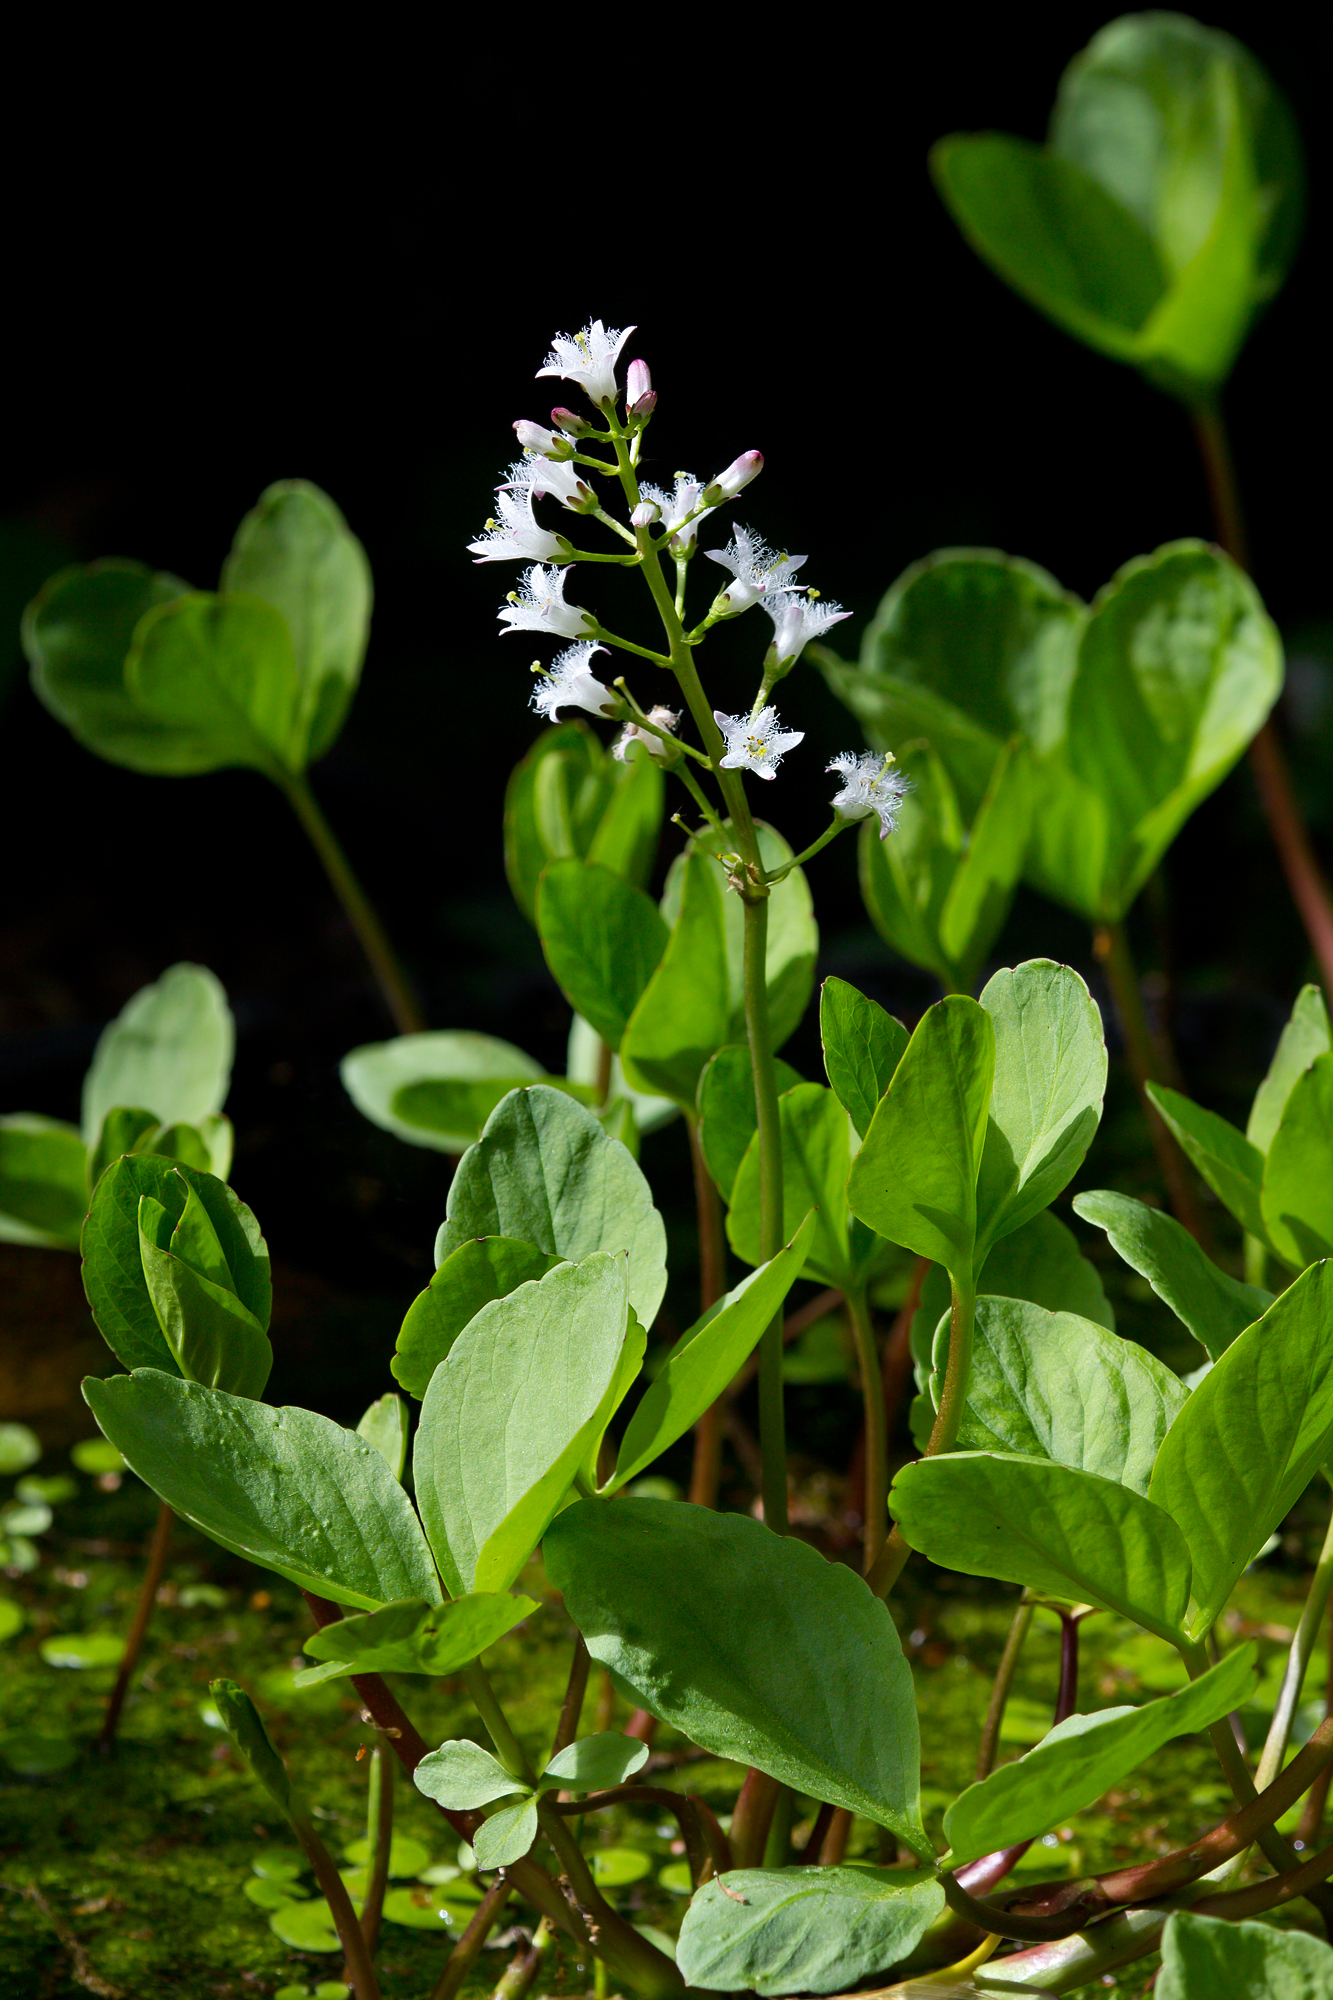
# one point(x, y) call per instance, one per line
point(1042, 737)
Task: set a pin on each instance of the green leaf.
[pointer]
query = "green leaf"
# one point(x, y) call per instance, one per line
point(1078, 1537)
point(1051, 1385)
point(113, 1270)
point(43, 1181)
point(461, 1776)
point(169, 1050)
point(722, 1629)
point(804, 1930)
point(1297, 1192)
point(295, 551)
point(414, 1637)
point(1046, 1099)
point(816, 1158)
point(1051, 232)
point(505, 1836)
point(211, 1336)
point(684, 1014)
point(727, 1116)
point(1083, 1757)
point(1214, 1306)
point(1178, 666)
point(508, 1414)
point(1206, 1957)
point(544, 1171)
point(570, 800)
point(76, 633)
point(206, 1147)
point(583, 1061)
point(603, 940)
point(1305, 1037)
point(596, 1763)
point(905, 881)
point(284, 1488)
point(626, 835)
point(19, 1449)
point(468, 1279)
point(1232, 1167)
point(220, 673)
point(475, 1066)
point(1250, 1439)
point(385, 1426)
point(978, 898)
point(243, 1724)
point(914, 1179)
point(862, 1048)
point(704, 1361)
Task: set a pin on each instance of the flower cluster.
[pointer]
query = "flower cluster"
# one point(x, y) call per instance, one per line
point(559, 464)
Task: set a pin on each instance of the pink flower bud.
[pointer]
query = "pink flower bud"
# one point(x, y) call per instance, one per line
point(645, 514)
point(640, 397)
point(535, 437)
point(570, 422)
point(737, 476)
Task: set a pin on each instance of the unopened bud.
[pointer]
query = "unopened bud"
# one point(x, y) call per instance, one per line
point(737, 476)
point(570, 422)
point(640, 396)
point(645, 514)
point(535, 437)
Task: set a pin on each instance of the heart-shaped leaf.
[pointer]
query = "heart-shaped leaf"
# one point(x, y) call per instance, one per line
point(751, 1645)
point(77, 633)
point(462, 1776)
point(284, 1488)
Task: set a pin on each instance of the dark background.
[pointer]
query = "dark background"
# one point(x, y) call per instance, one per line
point(242, 286)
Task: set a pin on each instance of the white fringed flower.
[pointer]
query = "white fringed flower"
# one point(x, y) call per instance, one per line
point(541, 607)
point(516, 536)
point(756, 743)
point(870, 784)
point(796, 620)
point(540, 476)
point(588, 358)
point(570, 685)
point(665, 718)
point(677, 507)
point(757, 570)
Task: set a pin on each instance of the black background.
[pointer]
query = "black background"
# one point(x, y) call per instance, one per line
point(346, 265)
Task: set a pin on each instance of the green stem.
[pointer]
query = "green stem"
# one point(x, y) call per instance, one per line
point(394, 983)
point(379, 1830)
point(1298, 1659)
point(523, 1967)
point(1112, 947)
point(877, 1442)
point(567, 1728)
point(772, 1416)
point(650, 1971)
point(507, 1746)
point(831, 833)
point(706, 1471)
point(999, 1694)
